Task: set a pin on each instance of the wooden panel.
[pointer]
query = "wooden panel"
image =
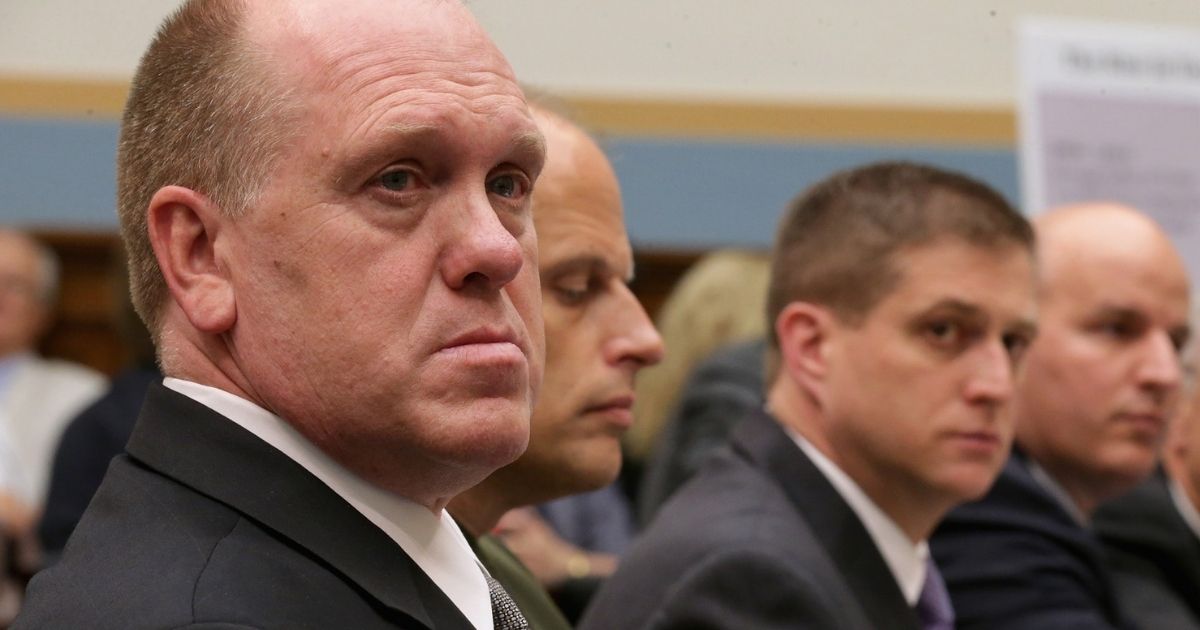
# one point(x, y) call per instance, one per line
point(84, 328)
point(656, 272)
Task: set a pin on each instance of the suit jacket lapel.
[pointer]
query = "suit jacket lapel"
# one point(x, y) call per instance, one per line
point(198, 447)
point(837, 528)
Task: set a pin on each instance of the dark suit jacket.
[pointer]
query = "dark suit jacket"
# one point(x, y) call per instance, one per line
point(1154, 556)
point(91, 441)
point(1016, 560)
point(204, 525)
point(758, 539)
point(721, 391)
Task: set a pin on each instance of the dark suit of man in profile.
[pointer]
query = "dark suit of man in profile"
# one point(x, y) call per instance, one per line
point(327, 210)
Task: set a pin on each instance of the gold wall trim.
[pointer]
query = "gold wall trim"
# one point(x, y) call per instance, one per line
point(66, 98)
point(25, 96)
point(784, 122)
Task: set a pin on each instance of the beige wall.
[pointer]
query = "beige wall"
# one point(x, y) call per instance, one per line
point(956, 53)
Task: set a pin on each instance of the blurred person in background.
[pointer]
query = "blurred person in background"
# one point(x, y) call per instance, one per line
point(38, 397)
point(713, 326)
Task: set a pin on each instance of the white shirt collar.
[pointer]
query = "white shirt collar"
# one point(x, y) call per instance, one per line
point(433, 541)
point(1190, 514)
point(1050, 485)
point(906, 560)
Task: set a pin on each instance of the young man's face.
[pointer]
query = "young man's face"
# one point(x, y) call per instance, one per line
point(918, 392)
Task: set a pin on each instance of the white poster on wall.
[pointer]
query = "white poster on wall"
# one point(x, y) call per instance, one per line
point(1112, 112)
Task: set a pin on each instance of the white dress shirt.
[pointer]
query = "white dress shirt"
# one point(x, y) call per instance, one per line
point(433, 541)
point(906, 560)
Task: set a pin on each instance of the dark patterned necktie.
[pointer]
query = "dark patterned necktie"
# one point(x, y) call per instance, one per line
point(505, 614)
point(933, 607)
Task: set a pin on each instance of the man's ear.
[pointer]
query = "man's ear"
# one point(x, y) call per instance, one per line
point(184, 227)
point(803, 330)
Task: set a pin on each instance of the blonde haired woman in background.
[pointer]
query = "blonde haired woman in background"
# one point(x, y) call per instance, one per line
point(718, 302)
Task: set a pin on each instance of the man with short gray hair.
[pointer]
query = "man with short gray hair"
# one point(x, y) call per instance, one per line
point(327, 211)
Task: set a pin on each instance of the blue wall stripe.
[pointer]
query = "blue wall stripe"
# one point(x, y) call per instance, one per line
point(679, 193)
point(56, 173)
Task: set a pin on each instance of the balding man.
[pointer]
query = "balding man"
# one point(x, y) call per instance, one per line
point(38, 397)
point(327, 209)
point(1100, 383)
point(597, 338)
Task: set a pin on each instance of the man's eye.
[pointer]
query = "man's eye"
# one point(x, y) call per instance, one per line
point(942, 332)
point(505, 186)
point(395, 180)
point(1121, 330)
point(1016, 345)
point(573, 290)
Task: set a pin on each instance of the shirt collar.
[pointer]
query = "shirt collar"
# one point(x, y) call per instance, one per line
point(1059, 493)
point(906, 561)
point(1190, 514)
point(433, 541)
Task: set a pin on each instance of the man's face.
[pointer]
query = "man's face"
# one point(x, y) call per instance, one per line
point(22, 309)
point(919, 391)
point(386, 278)
point(597, 334)
point(1103, 377)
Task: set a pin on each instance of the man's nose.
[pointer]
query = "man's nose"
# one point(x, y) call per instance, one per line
point(634, 338)
point(992, 380)
point(1160, 367)
point(482, 251)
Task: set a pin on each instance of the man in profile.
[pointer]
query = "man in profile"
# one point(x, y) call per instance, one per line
point(597, 338)
point(901, 299)
point(327, 210)
point(1099, 386)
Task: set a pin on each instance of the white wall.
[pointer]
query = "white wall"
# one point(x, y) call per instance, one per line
point(952, 52)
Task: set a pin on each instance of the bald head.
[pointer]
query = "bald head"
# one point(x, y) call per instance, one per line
point(1103, 377)
point(1105, 234)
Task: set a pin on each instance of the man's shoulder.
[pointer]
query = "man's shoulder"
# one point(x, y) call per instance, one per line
point(1144, 516)
point(152, 552)
point(137, 554)
point(1016, 501)
point(1018, 536)
point(729, 527)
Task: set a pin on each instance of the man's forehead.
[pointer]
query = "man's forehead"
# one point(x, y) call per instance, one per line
point(960, 276)
point(407, 36)
point(1096, 278)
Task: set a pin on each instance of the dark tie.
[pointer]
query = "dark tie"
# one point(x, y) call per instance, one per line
point(933, 607)
point(505, 614)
